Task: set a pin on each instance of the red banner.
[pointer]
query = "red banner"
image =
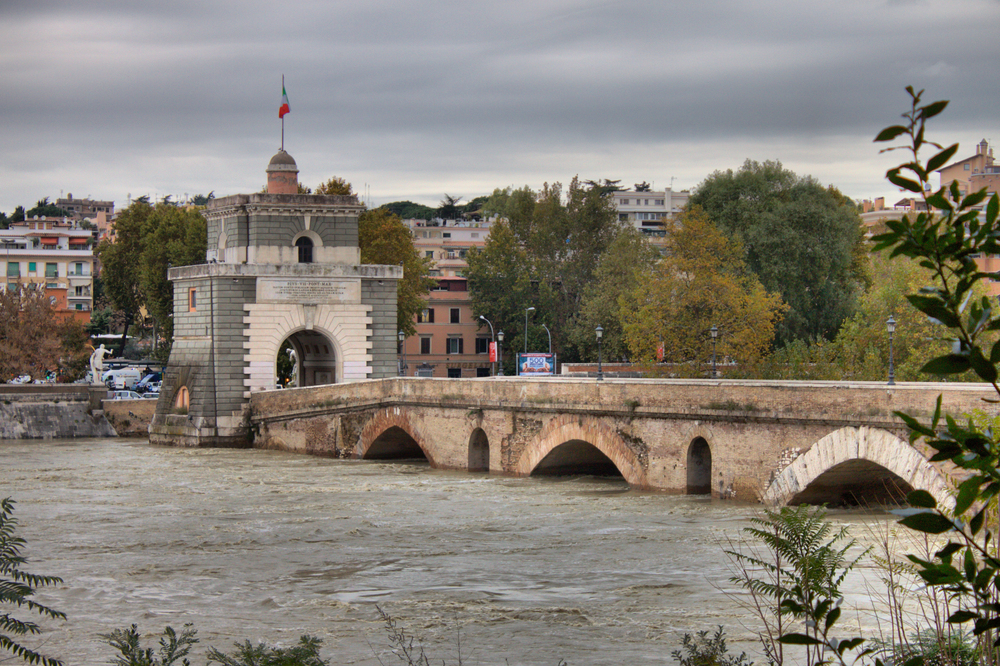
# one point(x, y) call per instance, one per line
point(493, 352)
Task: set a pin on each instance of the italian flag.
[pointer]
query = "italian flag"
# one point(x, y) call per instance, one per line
point(284, 103)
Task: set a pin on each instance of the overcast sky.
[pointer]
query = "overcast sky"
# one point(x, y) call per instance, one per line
point(412, 100)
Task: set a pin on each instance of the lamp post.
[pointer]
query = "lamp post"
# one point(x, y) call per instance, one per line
point(526, 328)
point(715, 335)
point(500, 353)
point(494, 365)
point(600, 334)
point(890, 325)
point(550, 338)
point(402, 349)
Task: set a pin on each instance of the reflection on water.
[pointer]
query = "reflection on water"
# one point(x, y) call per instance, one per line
point(265, 545)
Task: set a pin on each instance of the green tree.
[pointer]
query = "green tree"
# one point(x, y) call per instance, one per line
point(629, 259)
point(121, 261)
point(305, 653)
point(560, 237)
point(946, 238)
point(16, 589)
point(700, 283)
point(171, 236)
point(449, 210)
point(802, 240)
point(174, 647)
point(384, 239)
point(202, 199)
point(408, 210)
point(17, 215)
point(45, 209)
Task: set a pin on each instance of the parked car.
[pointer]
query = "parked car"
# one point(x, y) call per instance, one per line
point(125, 395)
point(122, 378)
point(147, 382)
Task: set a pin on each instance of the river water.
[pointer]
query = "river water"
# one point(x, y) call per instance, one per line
point(266, 545)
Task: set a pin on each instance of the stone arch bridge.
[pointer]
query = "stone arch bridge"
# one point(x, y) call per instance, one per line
point(779, 442)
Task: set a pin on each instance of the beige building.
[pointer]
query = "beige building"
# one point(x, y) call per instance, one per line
point(54, 255)
point(973, 173)
point(86, 208)
point(649, 212)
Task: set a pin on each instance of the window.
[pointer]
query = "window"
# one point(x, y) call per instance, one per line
point(455, 315)
point(78, 267)
point(426, 316)
point(429, 254)
point(305, 246)
point(78, 292)
point(482, 372)
point(455, 346)
point(32, 267)
point(425, 345)
point(447, 234)
point(13, 269)
point(51, 285)
point(79, 306)
point(967, 167)
point(11, 286)
point(625, 202)
point(192, 300)
point(51, 270)
point(454, 373)
point(482, 345)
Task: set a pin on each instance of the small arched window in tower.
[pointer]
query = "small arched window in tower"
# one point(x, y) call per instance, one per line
point(305, 246)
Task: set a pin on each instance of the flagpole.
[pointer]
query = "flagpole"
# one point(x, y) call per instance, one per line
point(282, 117)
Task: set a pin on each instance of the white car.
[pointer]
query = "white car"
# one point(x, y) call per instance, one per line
point(126, 395)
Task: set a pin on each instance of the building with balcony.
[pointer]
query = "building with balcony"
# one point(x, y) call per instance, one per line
point(80, 209)
point(53, 255)
point(650, 212)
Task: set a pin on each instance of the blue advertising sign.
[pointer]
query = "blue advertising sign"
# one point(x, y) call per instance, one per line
point(536, 365)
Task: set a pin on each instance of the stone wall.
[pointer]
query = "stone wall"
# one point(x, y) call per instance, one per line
point(52, 411)
point(130, 418)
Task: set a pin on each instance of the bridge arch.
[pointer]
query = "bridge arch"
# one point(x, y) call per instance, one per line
point(861, 461)
point(570, 428)
point(390, 434)
point(479, 451)
point(699, 467)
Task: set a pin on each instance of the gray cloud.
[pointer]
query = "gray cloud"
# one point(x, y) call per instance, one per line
point(417, 99)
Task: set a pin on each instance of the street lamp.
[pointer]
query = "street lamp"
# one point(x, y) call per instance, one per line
point(526, 328)
point(500, 353)
point(715, 335)
point(491, 338)
point(550, 338)
point(402, 348)
point(600, 334)
point(890, 324)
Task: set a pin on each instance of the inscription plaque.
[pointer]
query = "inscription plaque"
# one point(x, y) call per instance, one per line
point(308, 290)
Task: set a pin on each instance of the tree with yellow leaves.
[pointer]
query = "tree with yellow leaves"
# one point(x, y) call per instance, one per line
point(701, 282)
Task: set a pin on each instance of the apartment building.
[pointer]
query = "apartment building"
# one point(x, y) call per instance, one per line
point(973, 173)
point(86, 208)
point(649, 212)
point(450, 341)
point(54, 255)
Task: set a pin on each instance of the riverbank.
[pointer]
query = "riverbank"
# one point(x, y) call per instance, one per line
point(53, 411)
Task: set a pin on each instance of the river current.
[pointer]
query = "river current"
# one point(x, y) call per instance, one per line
point(266, 545)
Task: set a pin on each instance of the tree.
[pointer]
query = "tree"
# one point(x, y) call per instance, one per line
point(30, 341)
point(174, 647)
point(45, 209)
point(449, 207)
point(121, 262)
point(335, 186)
point(700, 283)
point(643, 187)
point(802, 240)
point(408, 210)
point(384, 239)
point(945, 239)
point(171, 236)
point(559, 240)
point(16, 589)
point(202, 199)
point(620, 269)
point(17, 215)
point(134, 265)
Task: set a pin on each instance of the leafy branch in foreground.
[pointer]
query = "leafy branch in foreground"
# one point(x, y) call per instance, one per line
point(173, 647)
point(946, 239)
point(16, 589)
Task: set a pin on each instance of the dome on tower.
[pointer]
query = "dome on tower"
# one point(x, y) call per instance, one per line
point(282, 174)
point(282, 159)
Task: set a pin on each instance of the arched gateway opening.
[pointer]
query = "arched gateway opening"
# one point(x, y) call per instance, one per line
point(576, 457)
point(479, 451)
point(306, 358)
point(699, 468)
point(395, 444)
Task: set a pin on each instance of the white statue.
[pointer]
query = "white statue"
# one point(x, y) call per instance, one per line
point(97, 364)
point(294, 379)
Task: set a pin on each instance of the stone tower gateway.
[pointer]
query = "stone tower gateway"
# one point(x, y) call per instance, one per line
point(280, 267)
